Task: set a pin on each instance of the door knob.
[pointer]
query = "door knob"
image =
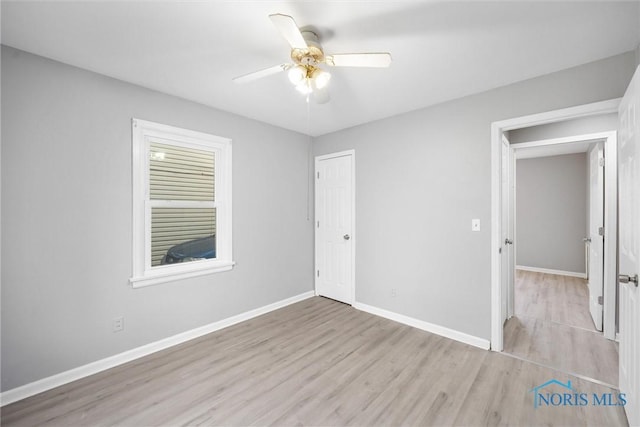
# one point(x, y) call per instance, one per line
point(346, 237)
point(508, 242)
point(623, 278)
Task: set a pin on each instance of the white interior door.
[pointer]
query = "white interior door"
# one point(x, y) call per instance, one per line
point(507, 259)
point(335, 238)
point(629, 247)
point(596, 239)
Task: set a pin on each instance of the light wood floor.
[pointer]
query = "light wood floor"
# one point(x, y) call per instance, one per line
point(317, 362)
point(552, 325)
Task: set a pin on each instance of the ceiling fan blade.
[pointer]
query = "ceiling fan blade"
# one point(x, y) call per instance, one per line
point(289, 30)
point(261, 73)
point(379, 60)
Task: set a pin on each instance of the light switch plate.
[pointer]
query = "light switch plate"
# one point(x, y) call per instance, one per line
point(475, 225)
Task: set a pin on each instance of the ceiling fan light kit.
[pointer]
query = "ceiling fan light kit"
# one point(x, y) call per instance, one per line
point(307, 54)
point(306, 78)
point(320, 78)
point(297, 74)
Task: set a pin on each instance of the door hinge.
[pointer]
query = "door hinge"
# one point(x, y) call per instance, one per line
point(601, 300)
point(318, 224)
point(601, 231)
point(317, 273)
point(318, 175)
point(601, 161)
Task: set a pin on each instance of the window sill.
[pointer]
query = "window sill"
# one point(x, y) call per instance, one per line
point(179, 272)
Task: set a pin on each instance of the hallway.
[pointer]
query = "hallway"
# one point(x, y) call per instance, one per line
point(552, 326)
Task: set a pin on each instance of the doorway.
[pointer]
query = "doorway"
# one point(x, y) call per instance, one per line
point(602, 216)
point(498, 130)
point(551, 323)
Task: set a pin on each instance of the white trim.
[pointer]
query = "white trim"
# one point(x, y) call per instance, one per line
point(158, 275)
point(425, 326)
point(602, 107)
point(497, 130)
point(552, 271)
point(590, 137)
point(66, 377)
point(497, 133)
point(337, 154)
point(318, 159)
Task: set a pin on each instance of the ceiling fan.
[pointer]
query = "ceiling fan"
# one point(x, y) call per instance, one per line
point(307, 55)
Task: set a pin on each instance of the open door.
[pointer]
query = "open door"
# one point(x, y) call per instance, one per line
point(629, 247)
point(596, 238)
point(507, 259)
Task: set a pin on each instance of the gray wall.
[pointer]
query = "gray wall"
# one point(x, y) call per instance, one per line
point(551, 212)
point(581, 126)
point(66, 219)
point(422, 176)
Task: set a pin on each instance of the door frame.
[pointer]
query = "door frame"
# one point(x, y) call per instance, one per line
point(498, 129)
point(609, 277)
point(353, 235)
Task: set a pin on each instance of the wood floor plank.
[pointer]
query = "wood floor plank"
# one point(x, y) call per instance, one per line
point(317, 362)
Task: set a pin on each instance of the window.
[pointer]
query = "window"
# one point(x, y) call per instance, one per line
point(181, 203)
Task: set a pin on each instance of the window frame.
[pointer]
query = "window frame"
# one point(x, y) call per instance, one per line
point(143, 133)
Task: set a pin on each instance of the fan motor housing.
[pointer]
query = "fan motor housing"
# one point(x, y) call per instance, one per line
point(313, 55)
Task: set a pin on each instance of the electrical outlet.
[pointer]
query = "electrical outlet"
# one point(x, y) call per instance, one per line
point(118, 324)
point(394, 292)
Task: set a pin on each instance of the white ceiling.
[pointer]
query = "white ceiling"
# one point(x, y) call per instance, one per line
point(441, 50)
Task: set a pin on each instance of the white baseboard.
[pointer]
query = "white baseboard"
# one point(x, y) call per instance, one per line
point(62, 378)
point(425, 326)
point(551, 271)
